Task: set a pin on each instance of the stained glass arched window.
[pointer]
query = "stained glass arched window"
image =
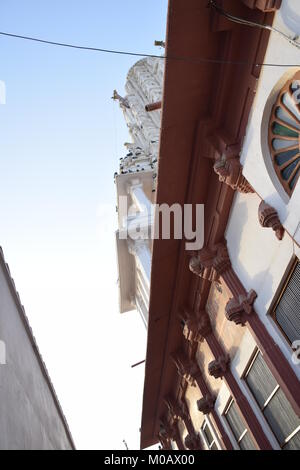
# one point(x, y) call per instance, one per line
point(284, 134)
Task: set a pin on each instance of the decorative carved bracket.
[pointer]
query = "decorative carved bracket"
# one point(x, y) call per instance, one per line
point(196, 326)
point(192, 442)
point(230, 172)
point(167, 432)
point(263, 5)
point(206, 404)
point(186, 369)
point(218, 367)
point(210, 264)
point(268, 217)
point(236, 309)
point(176, 410)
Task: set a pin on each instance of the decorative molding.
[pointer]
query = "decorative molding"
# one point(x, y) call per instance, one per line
point(230, 172)
point(186, 369)
point(268, 218)
point(236, 309)
point(192, 442)
point(167, 431)
point(176, 410)
point(206, 404)
point(219, 366)
point(263, 5)
point(210, 264)
point(196, 326)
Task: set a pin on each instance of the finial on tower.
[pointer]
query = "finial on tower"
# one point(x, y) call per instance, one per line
point(123, 101)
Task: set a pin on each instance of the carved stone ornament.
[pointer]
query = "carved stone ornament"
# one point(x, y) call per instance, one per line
point(186, 369)
point(192, 442)
point(210, 264)
point(176, 410)
point(263, 5)
point(229, 170)
point(236, 309)
point(167, 432)
point(123, 101)
point(218, 367)
point(268, 217)
point(196, 326)
point(206, 404)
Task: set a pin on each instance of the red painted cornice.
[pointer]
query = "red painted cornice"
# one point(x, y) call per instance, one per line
point(205, 110)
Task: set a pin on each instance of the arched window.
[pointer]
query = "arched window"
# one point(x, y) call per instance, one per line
point(284, 134)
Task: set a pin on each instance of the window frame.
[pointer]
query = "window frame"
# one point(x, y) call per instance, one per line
point(281, 290)
point(270, 397)
point(207, 423)
point(246, 430)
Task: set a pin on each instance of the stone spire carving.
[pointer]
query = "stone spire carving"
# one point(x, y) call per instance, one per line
point(229, 170)
point(268, 217)
point(123, 101)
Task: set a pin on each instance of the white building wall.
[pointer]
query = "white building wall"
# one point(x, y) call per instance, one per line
point(260, 261)
point(255, 157)
point(30, 417)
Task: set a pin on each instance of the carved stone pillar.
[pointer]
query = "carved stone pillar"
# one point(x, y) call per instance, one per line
point(229, 170)
point(268, 217)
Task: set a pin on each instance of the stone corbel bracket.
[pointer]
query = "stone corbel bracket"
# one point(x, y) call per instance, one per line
point(197, 326)
point(210, 263)
point(219, 366)
point(206, 404)
point(268, 218)
point(192, 442)
point(236, 310)
point(185, 369)
point(230, 171)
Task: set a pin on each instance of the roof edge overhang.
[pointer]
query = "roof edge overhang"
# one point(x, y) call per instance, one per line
point(205, 106)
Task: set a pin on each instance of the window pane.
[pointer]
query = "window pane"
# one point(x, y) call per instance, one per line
point(287, 312)
point(235, 422)
point(247, 443)
point(294, 443)
point(214, 447)
point(208, 434)
point(260, 380)
point(281, 416)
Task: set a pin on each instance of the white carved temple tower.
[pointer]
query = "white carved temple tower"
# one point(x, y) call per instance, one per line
point(136, 182)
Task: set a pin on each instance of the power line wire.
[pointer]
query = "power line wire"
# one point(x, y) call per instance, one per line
point(237, 19)
point(197, 60)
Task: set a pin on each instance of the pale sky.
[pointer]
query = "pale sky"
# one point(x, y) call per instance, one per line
point(61, 137)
